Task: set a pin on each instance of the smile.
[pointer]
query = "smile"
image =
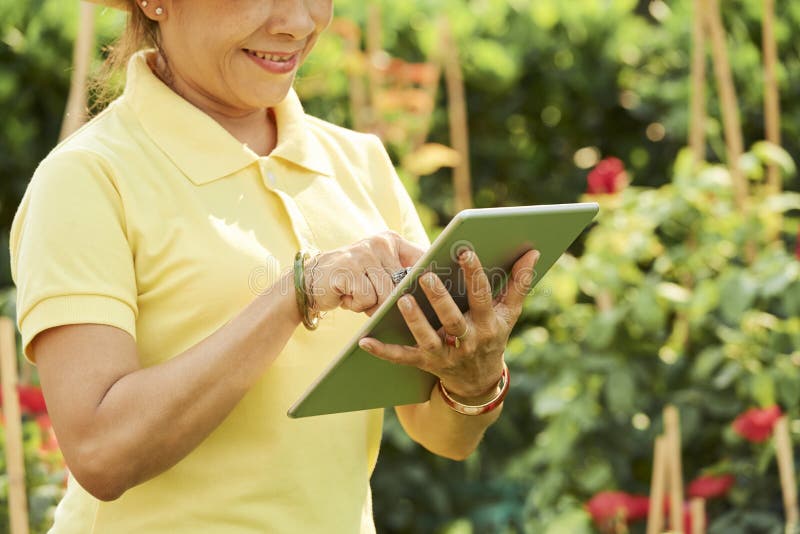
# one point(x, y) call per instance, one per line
point(267, 55)
point(274, 62)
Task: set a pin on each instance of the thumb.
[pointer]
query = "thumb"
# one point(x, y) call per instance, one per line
point(523, 274)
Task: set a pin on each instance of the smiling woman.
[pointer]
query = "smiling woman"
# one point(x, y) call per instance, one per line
point(167, 252)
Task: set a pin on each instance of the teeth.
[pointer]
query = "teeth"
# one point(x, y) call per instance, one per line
point(279, 59)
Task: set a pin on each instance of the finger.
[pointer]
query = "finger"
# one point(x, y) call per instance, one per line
point(382, 284)
point(408, 252)
point(399, 354)
point(363, 296)
point(523, 274)
point(479, 291)
point(428, 341)
point(446, 309)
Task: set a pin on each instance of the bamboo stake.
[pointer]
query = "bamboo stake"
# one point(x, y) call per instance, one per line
point(457, 111)
point(75, 113)
point(697, 510)
point(374, 51)
point(734, 143)
point(15, 460)
point(655, 517)
point(355, 76)
point(772, 123)
point(673, 433)
point(697, 131)
point(783, 451)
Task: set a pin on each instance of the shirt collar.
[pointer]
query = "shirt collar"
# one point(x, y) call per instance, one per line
point(199, 145)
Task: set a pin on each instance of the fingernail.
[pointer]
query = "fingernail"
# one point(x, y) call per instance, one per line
point(429, 280)
point(466, 256)
point(404, 303)
point(366, 345)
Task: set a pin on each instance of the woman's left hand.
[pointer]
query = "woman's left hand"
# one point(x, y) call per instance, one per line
point(472, 369)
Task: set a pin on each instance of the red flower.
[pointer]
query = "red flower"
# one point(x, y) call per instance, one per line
point(710, 486)
point(755, 424)
point(608, 177)
point(608, 507)
point(31, 400)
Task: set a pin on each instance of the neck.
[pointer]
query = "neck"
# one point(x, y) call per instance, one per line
point(255, 128)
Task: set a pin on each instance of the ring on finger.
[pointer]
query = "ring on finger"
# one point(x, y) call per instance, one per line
point(455, 341)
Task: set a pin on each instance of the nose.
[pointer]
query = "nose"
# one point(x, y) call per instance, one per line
point(291, 18)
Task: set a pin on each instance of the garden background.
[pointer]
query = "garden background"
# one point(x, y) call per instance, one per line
point(676, 296)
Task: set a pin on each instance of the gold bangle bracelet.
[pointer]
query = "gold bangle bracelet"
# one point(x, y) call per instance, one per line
point(480, 409)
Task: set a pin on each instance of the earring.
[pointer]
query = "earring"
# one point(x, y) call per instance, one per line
point(144, 3)
point(159, 11)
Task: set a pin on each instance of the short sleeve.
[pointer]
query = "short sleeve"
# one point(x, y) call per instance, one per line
point(407, 222)
point(71, 260)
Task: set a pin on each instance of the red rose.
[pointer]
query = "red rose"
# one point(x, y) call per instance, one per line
point(638, 507)
point(31, 400)
point(756, 424)
point(608, 507)
point(608, 177)
point(710, 486)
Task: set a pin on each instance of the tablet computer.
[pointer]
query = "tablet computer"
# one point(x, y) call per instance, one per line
point(356, 380)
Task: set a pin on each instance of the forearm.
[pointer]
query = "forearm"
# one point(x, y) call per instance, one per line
point(151, 418)
point(443, 431)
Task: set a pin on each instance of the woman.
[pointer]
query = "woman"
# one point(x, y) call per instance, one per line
point(155, 252)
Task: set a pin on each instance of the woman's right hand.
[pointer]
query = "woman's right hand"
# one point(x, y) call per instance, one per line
point(358, 277)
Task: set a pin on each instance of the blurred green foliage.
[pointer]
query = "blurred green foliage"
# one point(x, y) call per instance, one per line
point(45, 477)
point(661, 307)
point(546, 78)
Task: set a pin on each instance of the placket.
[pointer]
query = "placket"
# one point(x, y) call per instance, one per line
point(300, 227)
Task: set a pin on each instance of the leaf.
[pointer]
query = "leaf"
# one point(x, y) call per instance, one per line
point(737, 295)
point(772, 154)
point(730, 372)
point(707, 362)
point(621, 392)
point(576, 521)
point(763, 389)
point(783, 202)
point(674, 293)
point(459, 526)
point(429, 158)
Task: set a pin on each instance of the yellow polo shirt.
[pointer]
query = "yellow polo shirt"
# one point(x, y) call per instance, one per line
point(154, 219)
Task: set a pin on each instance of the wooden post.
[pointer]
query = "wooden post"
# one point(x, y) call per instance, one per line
point(374, 51)
point(697, 129)
point(672, 430)
point(772, 121)
point(77, 101)
point(697, 509)
point(356, 66)
point(655, 517)
point(457, 111)
point(730, 108)
point(783, 451)
point(15, 460)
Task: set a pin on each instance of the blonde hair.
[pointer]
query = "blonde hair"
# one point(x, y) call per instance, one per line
point(140, 32)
